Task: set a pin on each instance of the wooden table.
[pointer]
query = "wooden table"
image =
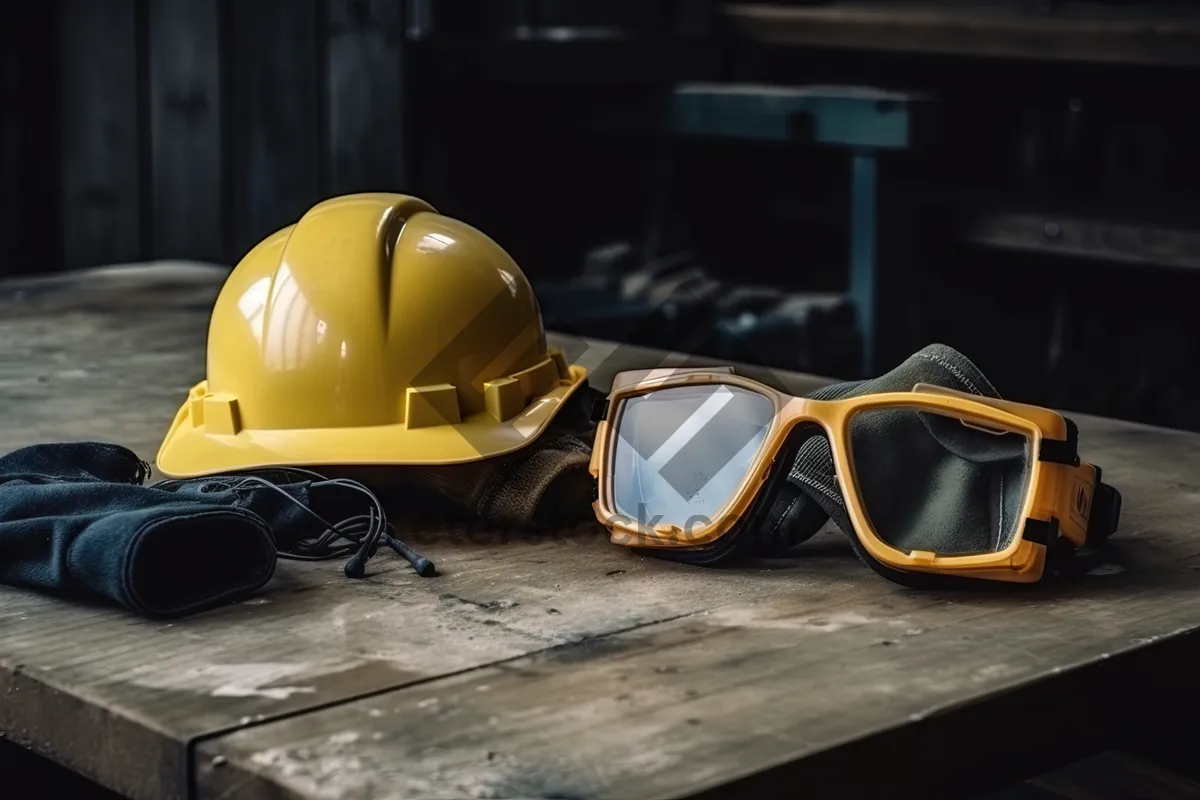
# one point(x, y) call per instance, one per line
point(561, 666)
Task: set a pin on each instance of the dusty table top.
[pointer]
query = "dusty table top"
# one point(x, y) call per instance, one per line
point(535, 666)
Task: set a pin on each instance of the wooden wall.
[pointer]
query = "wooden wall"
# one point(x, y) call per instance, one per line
point(137, 129)
point(29, 173)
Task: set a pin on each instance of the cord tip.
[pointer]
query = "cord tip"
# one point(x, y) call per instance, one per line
point(355, 568)
point(424, 567)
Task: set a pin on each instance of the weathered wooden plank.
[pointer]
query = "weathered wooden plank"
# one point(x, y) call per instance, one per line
point(1141, 33)
point(368, 98)
point(825, 666)
point(101, 173)
point(72, 675)
point(275, 144)
point(592, 620)
point(28, 151)
point(828, 660)
point(185, 129)
point(1087, 238)
point(13, 131)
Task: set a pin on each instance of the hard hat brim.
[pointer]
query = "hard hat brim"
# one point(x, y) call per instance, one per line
point(190, 451)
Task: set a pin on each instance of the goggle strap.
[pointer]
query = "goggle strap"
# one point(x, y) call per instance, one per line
point(599, 409)
point(1105, 514)
point(1062, 451)
point(1103, 519)
point(1043, 532)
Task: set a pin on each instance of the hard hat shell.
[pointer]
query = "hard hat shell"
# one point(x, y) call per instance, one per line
point(373, 331)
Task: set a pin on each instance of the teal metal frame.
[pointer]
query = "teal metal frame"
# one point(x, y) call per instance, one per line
point(864, 121)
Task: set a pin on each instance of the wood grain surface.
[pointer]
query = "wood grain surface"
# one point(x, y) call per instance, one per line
point(108, 355)
point(554, 666)
point(777, 666)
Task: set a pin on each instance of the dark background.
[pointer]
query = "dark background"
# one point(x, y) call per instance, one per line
point(1047, 218)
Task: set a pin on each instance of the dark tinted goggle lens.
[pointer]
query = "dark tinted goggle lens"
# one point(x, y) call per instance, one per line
point(929, 480)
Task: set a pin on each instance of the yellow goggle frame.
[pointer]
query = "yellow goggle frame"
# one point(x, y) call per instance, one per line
point(1058, 497)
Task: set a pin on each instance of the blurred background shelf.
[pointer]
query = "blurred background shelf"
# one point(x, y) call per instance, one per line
point(1036, 205)
point(1057, 30)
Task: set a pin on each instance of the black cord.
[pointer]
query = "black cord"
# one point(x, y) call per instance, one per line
point(358, 537)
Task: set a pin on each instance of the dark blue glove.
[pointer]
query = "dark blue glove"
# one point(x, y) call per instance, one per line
point(75, 520)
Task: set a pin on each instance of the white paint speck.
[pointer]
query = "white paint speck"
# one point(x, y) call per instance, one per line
point(748, 617)
point(995, 672)
point(427, 702)
point(316, 776)
point(272, 693)
point(231, 680)
point(375, 712)
point(343, 738)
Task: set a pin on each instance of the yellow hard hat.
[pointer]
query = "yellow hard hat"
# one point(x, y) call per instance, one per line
point(374, 331)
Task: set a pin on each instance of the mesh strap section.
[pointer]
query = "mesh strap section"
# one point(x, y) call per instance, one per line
point(812, 471)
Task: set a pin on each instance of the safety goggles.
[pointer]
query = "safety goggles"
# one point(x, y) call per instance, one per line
point(931, 480)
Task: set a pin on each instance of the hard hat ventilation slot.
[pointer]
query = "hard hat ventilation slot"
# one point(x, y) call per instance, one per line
point(560, 363)
point(429, 406)
point(503, 398)
point(220, 415)
point(507, 397)
point(197, 411)
point(396, 220)
point(393, 229)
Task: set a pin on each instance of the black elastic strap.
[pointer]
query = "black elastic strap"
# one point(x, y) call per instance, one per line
point(1041, 531)
point(1062, 451)
point(1105, 514)
point(1103, 518)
